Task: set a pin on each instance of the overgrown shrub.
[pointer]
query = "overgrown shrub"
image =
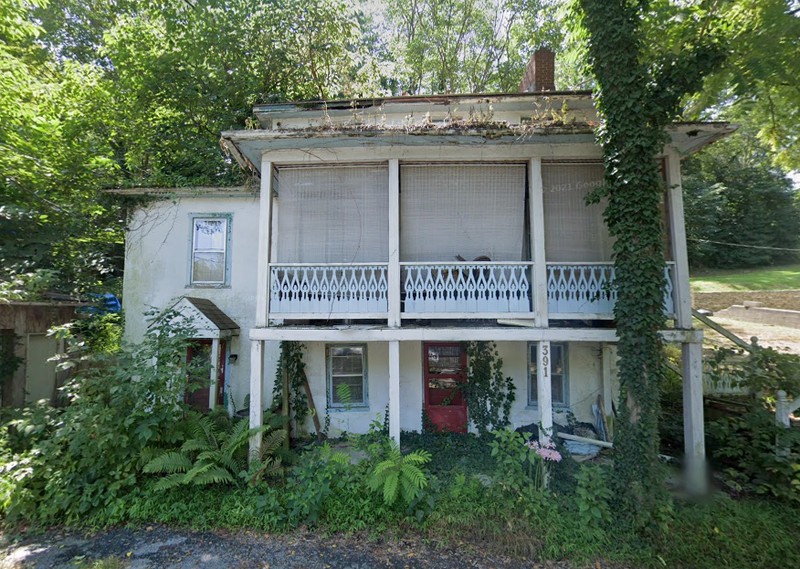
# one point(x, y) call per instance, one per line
point(755, 454)
point(85, 456)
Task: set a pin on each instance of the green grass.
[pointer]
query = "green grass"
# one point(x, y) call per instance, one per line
point(786, 277)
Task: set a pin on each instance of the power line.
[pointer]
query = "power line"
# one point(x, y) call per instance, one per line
point(742, 245)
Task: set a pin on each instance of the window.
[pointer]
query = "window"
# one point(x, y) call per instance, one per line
point(347, 375)
point(209, 258)
point(558, 373)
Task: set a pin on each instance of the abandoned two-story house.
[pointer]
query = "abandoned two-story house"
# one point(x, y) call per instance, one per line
point(388, 232)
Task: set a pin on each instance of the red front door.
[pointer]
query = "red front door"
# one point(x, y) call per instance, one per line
point(445, 373)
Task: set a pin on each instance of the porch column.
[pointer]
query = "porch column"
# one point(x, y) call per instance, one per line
point(693, 427)
point(683, 299)
point(263, 245)
point(262, 303)
point(393, 272)
point(256, 390)
point(394, 390)
point(212, 383)
point(544, 391)
point(536, 217)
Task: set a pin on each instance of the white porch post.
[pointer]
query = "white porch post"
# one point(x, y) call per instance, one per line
point(393, 272)
point(264, 237)
point(394, 390)
point(683, 299)
point(693, 422)
point(262, 303)
point(536, 217)
point(544, 391)
point(214, 374)
point(256, 390)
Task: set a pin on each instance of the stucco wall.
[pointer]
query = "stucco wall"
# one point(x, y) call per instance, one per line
point(585, 375)
point(157, 274)
point(157, 271)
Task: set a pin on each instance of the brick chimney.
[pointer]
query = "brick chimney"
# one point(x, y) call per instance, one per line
point(540, 73)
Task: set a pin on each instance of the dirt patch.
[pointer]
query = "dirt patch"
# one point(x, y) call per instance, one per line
point(786, 299)
point(778, 337)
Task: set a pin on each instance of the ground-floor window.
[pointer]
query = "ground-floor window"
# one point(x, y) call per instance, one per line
point(558, 373)
point(347, 375)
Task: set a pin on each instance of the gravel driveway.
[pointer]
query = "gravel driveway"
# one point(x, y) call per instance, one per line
point(158, 546)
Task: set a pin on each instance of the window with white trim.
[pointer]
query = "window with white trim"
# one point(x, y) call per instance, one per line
point(558, 374)
point(209, 255)
point(347, 375)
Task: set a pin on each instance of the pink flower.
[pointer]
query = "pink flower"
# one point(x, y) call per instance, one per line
point(547, 450)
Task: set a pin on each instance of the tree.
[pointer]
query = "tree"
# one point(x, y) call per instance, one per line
point(110, 93)
point(467, 46)
point(759, 79)
point(640, 86)
point(50, 220)
point(735, 196)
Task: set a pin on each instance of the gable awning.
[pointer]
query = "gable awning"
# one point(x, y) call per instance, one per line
point(206, 318)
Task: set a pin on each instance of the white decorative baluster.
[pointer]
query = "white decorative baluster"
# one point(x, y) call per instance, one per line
point(669, 303)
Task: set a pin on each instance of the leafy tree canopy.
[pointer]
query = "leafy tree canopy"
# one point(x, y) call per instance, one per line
point(740, 209)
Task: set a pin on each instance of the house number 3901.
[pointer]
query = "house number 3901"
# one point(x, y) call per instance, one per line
point(546, 360)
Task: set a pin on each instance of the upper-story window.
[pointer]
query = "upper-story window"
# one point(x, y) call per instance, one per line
point(210, 251)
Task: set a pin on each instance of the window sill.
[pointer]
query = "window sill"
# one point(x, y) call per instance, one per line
point(557, 407)
point(352, 409)
point(207, 286)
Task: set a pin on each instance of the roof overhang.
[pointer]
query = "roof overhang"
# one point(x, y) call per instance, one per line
point(690, 137)
point(191, 192)
point(247, 146)
point(205, 318)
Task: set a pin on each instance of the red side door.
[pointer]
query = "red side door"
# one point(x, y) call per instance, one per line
point(199, 352)
point(444, 375)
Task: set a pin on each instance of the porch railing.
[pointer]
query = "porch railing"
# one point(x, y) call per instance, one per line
point(445, 290)
point(465, 289)
point(336, 290)
point(586, 291)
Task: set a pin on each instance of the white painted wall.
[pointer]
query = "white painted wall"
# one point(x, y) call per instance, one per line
point(585, 383)
point(157, 272)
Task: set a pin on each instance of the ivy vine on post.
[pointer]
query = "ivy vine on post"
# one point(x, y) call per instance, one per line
point(291, 362)
point(638, 94)
point(489, 394)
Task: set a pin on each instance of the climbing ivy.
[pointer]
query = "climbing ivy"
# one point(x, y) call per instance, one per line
point(489, 394)
point(638, 94)
point(291, 363)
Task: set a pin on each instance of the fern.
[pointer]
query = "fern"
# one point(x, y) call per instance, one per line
point(400, 475)
point(168, 463)
point(214, 452)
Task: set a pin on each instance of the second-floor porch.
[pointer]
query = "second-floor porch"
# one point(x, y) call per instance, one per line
point(447, 290)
